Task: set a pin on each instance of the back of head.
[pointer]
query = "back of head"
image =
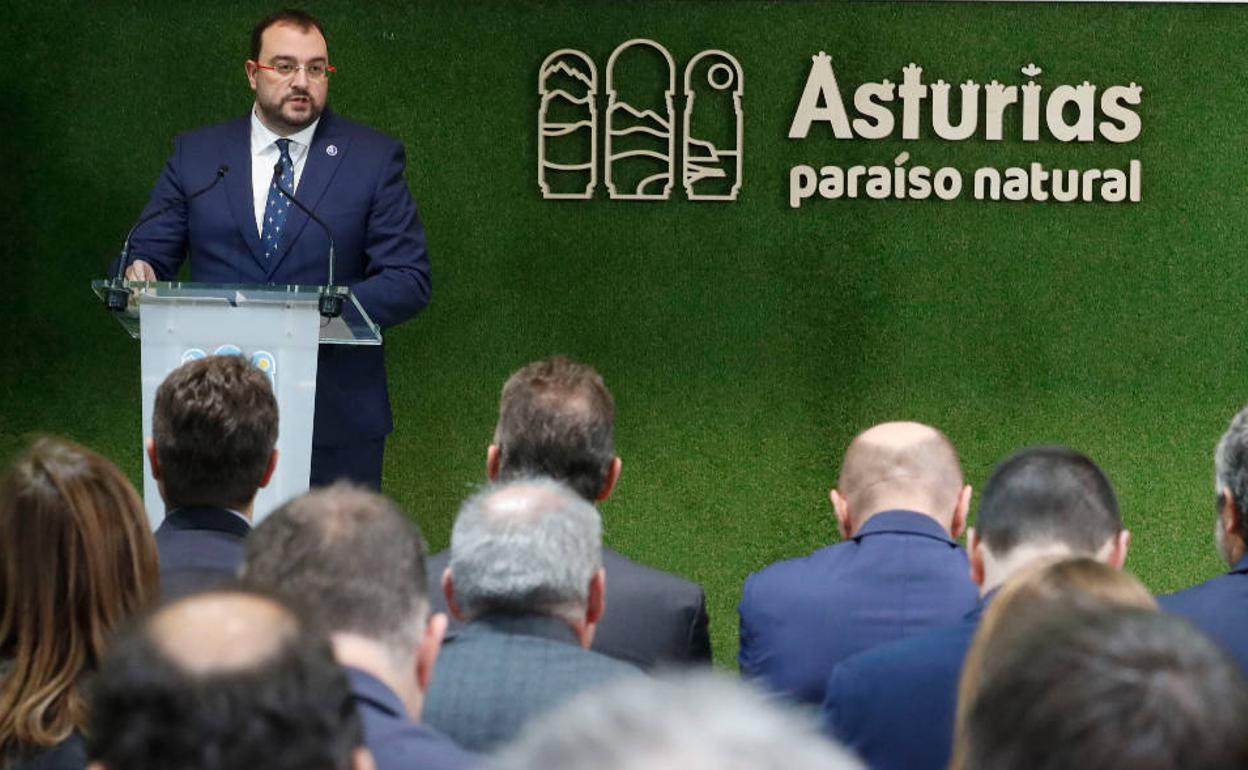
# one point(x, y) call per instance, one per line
point(556, 418)
point(350, 559)
point(1122, 689)
point(899, 465)
point(76, 558)
point(525, 547)
point(222, 681)
point(1031, 598)
point(687, 722)
point(214, 425)
point(1048, 495)
point(1230, 461)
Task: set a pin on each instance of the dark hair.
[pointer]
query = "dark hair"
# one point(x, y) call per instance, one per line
point(290, 708)
point(214, 425)
point(301, 19)
point(1048, 494)
point(349, 558)
point(1122, 689)
point(77, 558)
point(556, 418)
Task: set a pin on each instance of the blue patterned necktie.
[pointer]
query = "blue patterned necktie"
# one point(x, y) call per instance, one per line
point(277, 206)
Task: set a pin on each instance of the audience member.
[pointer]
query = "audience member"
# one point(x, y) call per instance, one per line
point(1218, 606)
point(1028, 599)
point(895, 704)
point(1120, 689)
point(526, 578)
point(899, 504)
point(356, 565)
point(223, 680)
point(76, 558)
point(214, 428)
point(556, 419)
point(692, 722)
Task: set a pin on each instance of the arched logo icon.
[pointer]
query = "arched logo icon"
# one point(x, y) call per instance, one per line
point(640, 141)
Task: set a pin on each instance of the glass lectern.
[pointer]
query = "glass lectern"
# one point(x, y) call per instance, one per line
point(278, 328)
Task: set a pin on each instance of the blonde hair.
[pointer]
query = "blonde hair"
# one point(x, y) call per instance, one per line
point(76, 558)
point(1027, 600)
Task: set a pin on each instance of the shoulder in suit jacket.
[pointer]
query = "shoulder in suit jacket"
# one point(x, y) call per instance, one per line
point(354, 180)
point(199, 548)
point(1219, 607)
point(69, 754)
point(895, 704)
point(899, 575)
point(395, 741)
point(652, 617)
point(500, 672)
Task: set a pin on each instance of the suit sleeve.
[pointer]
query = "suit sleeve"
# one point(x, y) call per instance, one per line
point(699, 632)
point(162, 241)
point(747, 644)
point(397, 281)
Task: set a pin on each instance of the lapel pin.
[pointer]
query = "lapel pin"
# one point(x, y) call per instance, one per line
point(331, 150)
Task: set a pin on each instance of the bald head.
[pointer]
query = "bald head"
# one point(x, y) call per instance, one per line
point(904, 465)
point(221, 632)
point(217, 681)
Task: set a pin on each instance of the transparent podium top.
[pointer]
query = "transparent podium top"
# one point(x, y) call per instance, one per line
point(353, 327)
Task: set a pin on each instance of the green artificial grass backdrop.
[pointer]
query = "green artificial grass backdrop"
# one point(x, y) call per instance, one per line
point(745, 342)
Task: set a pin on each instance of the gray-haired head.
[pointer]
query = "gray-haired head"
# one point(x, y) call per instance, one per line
point(687, 722)
point(1230, 462)
point(527, 546)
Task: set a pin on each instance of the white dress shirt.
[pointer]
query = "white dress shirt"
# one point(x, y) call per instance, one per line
point(264, 155)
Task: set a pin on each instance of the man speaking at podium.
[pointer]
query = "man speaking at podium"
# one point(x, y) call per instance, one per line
point(247, 230)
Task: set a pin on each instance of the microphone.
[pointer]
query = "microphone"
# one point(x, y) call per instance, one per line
point(115, 297)
point(330, 304)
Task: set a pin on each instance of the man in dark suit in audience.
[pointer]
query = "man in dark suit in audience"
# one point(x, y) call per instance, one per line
point(526, 578)
point(900, 503)
point(895, 704)
point(214, 433)
point(557, 419)
point(356, 564)
point(222, 681)
point(1218, 606)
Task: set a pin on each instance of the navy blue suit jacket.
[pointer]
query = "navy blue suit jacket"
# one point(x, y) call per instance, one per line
point(199, 548)
point(895, 704)
point(1219, 607)
point(900, 574)
point(653, 618)
point(353, 179)
point(396, 742)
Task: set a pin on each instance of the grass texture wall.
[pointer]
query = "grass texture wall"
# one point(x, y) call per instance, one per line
point(746, 342)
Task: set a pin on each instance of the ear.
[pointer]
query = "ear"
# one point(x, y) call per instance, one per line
point(252, 70)
point(149, 446)
point(491, 462)
point(595, 606)
point(448, 591)
point(362, 759)
point(975, 554)
point(269, 469)
point(1232, 520)
point(613, 475)
point(427, 651)
point(1114, 552)
point(957, 525)
point(841, 507)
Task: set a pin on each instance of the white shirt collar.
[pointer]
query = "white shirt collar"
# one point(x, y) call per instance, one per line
point(262, 138)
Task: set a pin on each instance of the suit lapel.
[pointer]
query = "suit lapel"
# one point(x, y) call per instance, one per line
point(318, 172)
point(238, 188)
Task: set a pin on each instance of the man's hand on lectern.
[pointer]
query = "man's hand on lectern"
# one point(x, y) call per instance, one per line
point(140, 271)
